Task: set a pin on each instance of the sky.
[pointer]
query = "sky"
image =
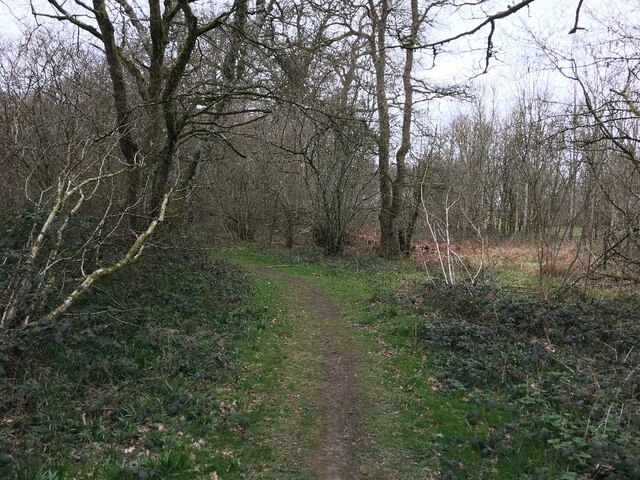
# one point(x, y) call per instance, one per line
point(519, 63)
point(11, 13)
point(556, 14)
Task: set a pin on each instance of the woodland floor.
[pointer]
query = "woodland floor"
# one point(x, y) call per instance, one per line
point(291, 366)
point(410, 380)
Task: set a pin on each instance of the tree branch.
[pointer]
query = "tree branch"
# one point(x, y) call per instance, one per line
point(487, 21)
point(65, 15)
point(134, 252)
point(575, 25)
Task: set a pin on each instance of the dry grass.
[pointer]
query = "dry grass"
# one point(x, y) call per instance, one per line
point(364, 242)
point(524, 260)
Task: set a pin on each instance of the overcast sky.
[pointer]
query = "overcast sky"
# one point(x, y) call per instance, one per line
point(9, 17)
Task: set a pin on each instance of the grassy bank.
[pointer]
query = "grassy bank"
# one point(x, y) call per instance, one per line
point(149, 378)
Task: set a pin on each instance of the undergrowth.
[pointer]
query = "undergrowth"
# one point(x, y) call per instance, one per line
point(132, 383)
point(568, 370)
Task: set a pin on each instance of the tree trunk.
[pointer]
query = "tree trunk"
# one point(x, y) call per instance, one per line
point(391, 189)
point(415, 208)
point(377, 41)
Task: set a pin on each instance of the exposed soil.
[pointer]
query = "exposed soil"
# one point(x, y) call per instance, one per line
point(337, 397)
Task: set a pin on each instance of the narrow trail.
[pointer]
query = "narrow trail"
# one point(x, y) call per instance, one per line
point(337, 397)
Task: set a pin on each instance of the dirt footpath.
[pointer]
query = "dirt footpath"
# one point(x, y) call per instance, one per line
point(337, 398)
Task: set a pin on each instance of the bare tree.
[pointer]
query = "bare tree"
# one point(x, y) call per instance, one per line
point(66, 160)
point(148, 49)
point(160, 100)
point(605, 116)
